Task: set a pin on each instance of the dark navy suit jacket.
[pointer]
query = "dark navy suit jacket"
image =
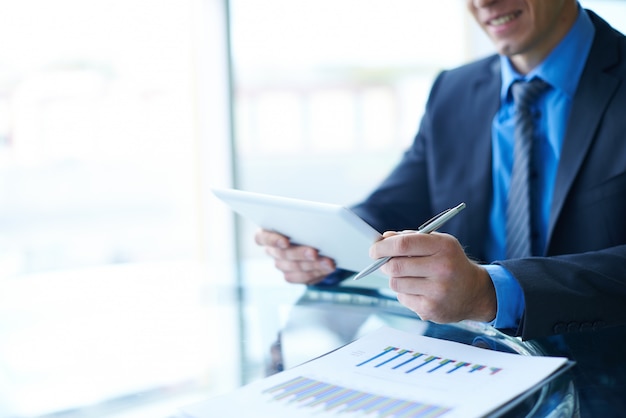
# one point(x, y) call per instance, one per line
point(580, 282)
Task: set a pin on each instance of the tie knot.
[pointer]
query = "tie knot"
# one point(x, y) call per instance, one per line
point(526, 92)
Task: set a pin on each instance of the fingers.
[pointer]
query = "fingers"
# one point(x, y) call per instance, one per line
point(424, 297)
point(433, 277)
point(271, 239)
point(406, 243)
point(471, 296)
point(304, 271)
point(293, 252)
point(299, 264)
point(418, 255)
point(419, 304)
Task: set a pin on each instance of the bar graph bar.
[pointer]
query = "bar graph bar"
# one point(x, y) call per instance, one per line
point(426, 362)
point(408, 361)
point(385, 351)
point(310, 393)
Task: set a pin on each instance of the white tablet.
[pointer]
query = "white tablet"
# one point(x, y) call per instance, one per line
point(334, 230)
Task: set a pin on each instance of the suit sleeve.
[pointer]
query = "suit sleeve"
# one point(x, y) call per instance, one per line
point(572, 293)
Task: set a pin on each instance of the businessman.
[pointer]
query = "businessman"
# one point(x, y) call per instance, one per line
point(541, 248)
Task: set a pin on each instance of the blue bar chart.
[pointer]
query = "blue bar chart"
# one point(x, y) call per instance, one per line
point(408, 361)
point(389, 373)
point(311, 393)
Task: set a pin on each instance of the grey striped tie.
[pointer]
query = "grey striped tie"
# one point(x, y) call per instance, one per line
point(518, 213)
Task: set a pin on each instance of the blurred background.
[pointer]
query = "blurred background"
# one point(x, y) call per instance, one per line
point(122, 280)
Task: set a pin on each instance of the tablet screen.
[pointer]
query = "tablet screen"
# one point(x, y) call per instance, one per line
point(334, 230)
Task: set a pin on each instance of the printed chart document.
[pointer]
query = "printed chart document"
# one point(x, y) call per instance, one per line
point(389, 373)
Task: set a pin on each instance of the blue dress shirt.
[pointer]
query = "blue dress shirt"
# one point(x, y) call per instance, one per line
point(561, 70)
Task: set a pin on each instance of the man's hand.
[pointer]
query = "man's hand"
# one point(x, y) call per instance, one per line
point(298, 263)
point(434, 278)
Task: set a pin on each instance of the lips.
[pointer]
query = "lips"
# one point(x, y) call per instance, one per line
point(503, 19)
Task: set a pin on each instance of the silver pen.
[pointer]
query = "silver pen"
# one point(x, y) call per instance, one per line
point(427, 227)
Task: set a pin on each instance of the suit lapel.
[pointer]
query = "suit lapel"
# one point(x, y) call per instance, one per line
point(593, 94)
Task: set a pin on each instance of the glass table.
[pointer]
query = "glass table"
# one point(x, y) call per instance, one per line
point(134, 341)
point(324, 319)
point(118, 341)
point(321, 319)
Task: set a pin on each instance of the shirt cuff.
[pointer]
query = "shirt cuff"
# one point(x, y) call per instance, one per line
point(509, 296)
point(334, 278)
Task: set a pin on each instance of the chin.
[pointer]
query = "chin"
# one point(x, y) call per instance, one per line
point(508, 48)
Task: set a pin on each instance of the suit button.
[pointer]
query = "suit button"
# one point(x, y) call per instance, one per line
point(559, 328)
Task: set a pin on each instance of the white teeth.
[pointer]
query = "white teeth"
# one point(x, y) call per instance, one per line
point(502, 20)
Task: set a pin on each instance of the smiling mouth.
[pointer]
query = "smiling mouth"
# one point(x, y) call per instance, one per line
point(502, 20)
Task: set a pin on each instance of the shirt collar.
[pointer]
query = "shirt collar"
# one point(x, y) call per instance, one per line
point(563, 67)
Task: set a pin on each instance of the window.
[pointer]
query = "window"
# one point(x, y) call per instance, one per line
point(117, 267)
point(97, 141)
point(329, 93)
point(113, 125)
